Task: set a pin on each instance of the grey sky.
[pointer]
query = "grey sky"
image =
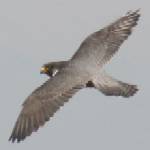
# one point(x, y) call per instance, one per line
point(33, 32)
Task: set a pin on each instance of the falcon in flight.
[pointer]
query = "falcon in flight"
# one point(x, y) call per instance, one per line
point(83, 69)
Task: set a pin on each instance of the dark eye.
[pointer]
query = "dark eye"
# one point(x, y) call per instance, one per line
point(52, 66)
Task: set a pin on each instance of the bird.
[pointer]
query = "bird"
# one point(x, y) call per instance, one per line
point(84, 69)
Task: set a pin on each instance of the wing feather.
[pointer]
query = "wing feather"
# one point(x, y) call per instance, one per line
point(102, 45)
point(44, 102)
point(118, 32)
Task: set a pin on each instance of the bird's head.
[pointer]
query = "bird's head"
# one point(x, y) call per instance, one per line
point(52, 68)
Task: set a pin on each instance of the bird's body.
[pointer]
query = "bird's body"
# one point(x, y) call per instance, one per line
point(84, 69)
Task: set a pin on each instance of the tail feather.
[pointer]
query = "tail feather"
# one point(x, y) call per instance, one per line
point(127, 90)
point(112, 87)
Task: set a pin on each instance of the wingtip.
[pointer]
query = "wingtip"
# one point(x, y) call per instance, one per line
point(13, 139)
point(137, 11)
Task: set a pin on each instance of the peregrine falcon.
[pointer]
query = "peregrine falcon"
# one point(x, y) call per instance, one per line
point(83, 69)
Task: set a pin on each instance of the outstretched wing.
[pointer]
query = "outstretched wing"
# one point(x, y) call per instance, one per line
point(45, 101)
point(101, 45)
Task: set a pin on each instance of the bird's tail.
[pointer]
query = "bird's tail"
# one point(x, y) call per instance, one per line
point(112, 87)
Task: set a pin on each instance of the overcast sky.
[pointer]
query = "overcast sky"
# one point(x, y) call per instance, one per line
point(33, 32)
